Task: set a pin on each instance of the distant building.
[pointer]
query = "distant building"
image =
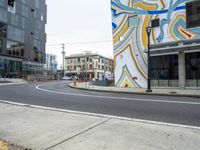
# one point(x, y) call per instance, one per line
point(51, 63)
point(22, 37)
point(89, 65)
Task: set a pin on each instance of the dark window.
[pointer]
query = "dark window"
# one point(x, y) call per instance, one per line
point(83, 67)
point(1, 45)
point(11, 3)
point(155, 23)
point(164, 67)
point(38, 56)
point(193, 14)
point(35, 56)
point(192, 62)
point(32, 10)
point(3, 34)
point(90, 66)
point(15, 48)
point(11, 6)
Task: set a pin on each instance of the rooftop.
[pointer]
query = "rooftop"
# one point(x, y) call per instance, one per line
point(86, 54)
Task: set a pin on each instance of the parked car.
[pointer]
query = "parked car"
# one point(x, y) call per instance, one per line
point(66, 78)
point(74, 77)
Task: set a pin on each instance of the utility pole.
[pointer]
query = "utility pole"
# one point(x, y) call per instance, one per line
point(63, 53)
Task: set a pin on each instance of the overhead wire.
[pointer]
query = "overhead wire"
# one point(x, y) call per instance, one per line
point(80, 43)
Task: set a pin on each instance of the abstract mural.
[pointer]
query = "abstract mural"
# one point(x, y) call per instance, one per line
point(130, 42)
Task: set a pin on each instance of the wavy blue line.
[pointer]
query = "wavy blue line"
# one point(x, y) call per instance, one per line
point(172, 8)
point(161, 36)
point(114, 26)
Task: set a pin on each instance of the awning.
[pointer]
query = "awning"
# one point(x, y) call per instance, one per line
point(175, 47)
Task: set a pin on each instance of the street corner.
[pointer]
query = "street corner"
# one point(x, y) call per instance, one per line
point(4, 145)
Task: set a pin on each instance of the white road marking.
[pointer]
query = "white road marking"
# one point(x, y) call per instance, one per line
point(100, 115)
point(117, 98)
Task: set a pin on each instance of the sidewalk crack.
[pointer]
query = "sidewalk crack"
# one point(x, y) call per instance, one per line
point(82, 132)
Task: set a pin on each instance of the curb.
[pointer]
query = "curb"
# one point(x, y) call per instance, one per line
point(4, 84)
point(98, 115)
point(139, 93)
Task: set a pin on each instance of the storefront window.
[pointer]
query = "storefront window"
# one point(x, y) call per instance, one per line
point(164, 70)
point(164, 67)
point(192, 65)
point(192, 62)
point(10, 68)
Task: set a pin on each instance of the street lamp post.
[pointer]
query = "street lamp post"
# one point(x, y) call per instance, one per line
point(148, 31)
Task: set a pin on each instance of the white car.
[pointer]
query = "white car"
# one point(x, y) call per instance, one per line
point(66, 78)
point(74, 77)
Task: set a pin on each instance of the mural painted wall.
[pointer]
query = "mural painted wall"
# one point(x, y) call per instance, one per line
point(131, 41)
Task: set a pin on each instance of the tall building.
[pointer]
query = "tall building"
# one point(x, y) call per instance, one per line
point(51, 63)
point(89, 65)
point(22, 37)
point(174, 42)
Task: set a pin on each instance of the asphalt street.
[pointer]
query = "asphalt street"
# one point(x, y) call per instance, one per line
point(178, 110)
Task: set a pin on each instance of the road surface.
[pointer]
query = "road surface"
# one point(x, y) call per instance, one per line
point(177, 110)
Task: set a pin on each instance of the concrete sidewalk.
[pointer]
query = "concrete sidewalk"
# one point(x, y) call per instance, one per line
point(164, 91)
point(11, 81)
point(39, 128)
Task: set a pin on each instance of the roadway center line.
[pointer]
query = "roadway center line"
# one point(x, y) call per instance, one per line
point(117, 98)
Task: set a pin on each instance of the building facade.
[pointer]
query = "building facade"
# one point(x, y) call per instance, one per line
point(22, 37)
point(174, 42)
point(51, 63)
point(89, 65)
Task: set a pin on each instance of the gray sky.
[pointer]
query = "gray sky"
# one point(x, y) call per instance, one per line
point(77, 21)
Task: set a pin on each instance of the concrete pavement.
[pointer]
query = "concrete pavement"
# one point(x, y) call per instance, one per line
point(39, 128)
point(11, 81)
point(155, 91)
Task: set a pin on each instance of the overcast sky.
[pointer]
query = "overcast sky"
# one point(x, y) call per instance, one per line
point(79, 21)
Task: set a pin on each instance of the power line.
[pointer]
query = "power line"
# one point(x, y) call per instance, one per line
point(53, 44)
point(81, 43)
point(91, 42)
